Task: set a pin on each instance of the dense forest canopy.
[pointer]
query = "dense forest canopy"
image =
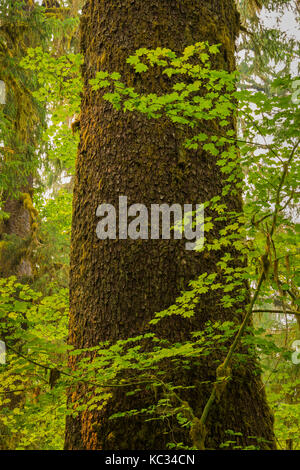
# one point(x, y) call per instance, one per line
point(149, 216)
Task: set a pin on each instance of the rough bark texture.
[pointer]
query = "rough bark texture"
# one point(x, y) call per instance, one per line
point(117, 285)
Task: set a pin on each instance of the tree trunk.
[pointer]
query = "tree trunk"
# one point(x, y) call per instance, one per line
point(118, 285)
point(15, 235)
point(20, 226)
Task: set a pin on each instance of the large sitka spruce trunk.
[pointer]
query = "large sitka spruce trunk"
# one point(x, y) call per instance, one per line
point(118, 285)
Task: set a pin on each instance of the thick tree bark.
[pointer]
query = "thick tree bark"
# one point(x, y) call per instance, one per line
point(117, 285)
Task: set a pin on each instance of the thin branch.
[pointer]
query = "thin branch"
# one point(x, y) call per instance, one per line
point(287, 312)
point(62, 372)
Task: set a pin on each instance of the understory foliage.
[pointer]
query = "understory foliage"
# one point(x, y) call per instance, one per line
point(261, 162)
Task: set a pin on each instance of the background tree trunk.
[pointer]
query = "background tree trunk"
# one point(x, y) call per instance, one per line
point(117, 285)
point(19, 227)
point(15, 236)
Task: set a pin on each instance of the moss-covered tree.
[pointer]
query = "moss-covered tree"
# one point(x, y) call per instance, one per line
point(21, 120)
point(117, 285)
